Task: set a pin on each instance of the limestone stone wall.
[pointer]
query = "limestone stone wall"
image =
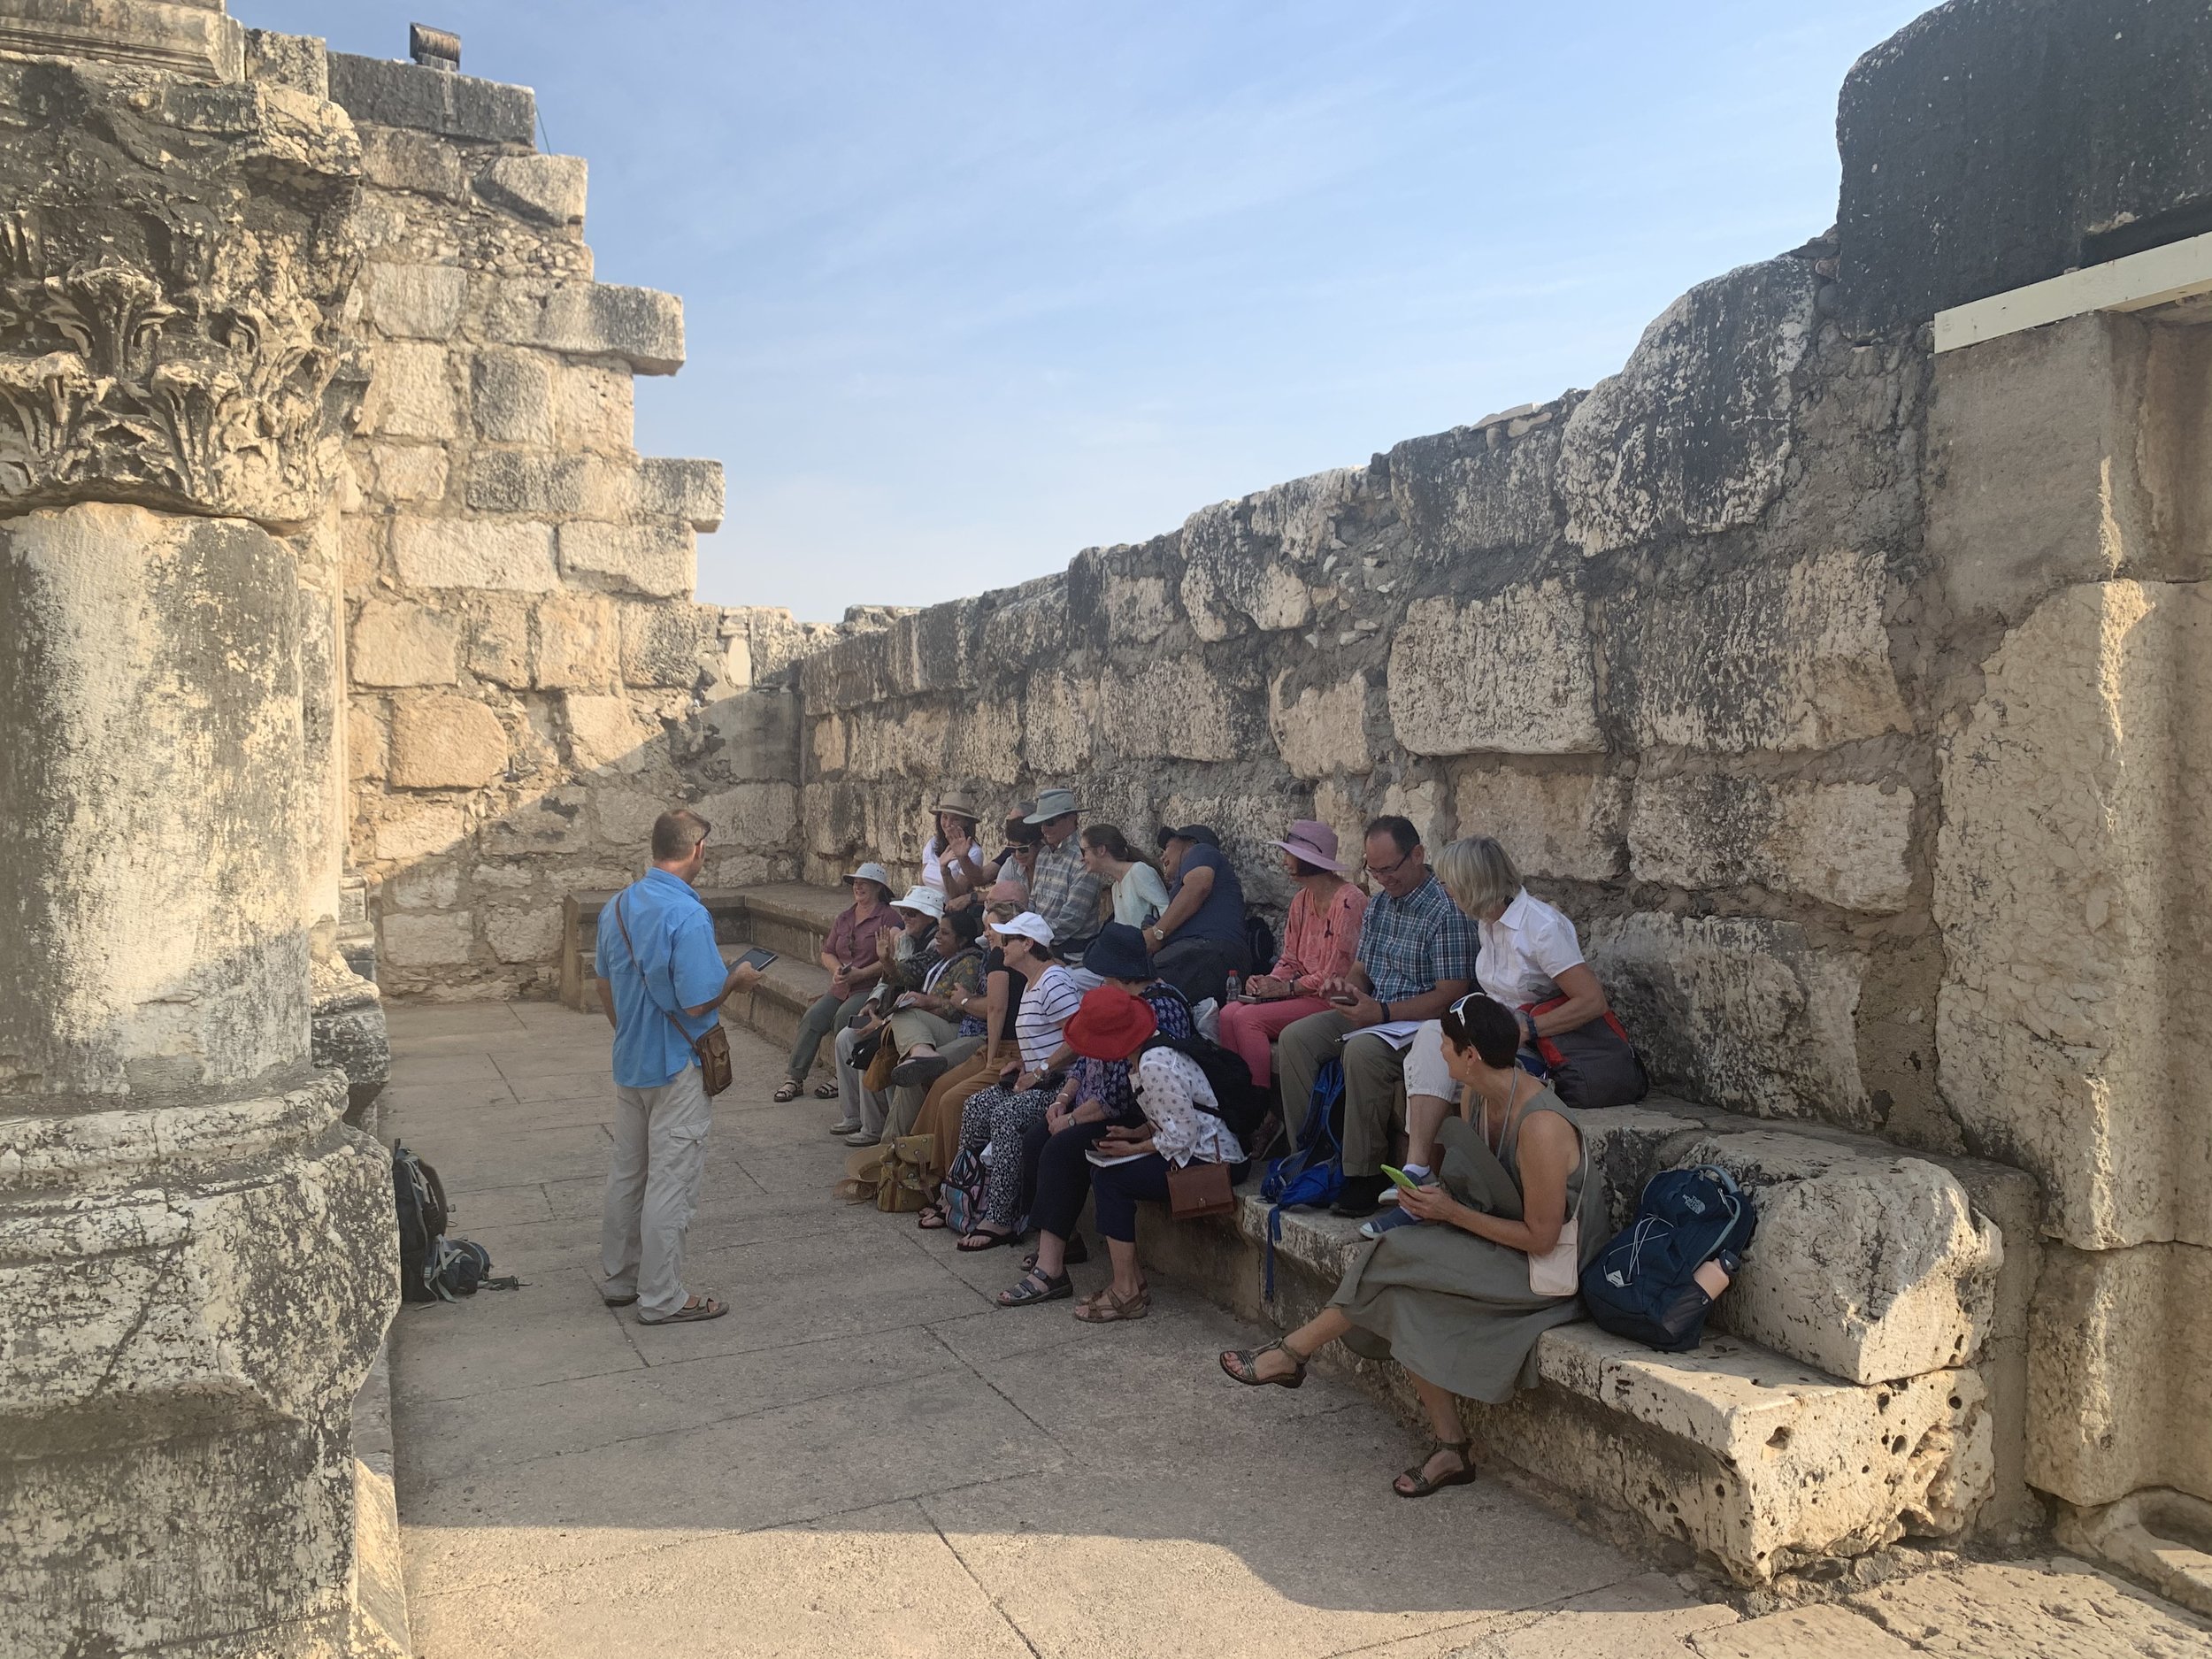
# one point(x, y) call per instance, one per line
point(530, 682)
point(1659, 637)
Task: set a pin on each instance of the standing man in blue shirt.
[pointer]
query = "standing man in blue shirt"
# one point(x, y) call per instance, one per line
point(661, 981)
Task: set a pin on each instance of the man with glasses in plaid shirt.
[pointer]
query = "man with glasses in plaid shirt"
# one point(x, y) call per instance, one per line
point(1415, 959)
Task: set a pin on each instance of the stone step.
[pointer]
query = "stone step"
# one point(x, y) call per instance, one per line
point(774, 1007)
point(1757, 1462)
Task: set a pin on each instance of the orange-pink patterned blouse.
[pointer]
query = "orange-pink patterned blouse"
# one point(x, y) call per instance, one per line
point(1318, 945)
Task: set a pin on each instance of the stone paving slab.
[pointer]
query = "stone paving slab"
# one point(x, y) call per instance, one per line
point(866, 1456)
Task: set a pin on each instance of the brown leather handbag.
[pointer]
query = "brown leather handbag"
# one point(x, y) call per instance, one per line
point(712, 1051)
point(1200, 1189)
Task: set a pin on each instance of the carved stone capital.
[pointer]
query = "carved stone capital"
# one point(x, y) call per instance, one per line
point(175, 263)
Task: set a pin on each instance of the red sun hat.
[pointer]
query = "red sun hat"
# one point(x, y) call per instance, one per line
point(1111, 1025)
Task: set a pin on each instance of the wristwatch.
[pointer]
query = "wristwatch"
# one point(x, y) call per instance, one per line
point(1155, 934)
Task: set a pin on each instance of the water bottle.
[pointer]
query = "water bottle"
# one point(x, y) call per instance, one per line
point(1235, 987)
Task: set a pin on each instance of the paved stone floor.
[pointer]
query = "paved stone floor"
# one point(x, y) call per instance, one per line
point(867, 1457)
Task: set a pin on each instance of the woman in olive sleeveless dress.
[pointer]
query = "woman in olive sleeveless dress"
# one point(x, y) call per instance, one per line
point(1450, 1300)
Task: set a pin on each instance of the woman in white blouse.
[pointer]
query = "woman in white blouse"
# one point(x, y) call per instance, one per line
point(1138, 895)
point(1528, 956)
point(1131, 1161)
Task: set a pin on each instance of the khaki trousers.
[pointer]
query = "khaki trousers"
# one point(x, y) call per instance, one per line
point(1374, 1092)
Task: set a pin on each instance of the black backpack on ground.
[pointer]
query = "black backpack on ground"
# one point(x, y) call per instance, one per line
point(1641, 1285)
point(433, 1267)
point(1259, 939)
point(1238, 1101)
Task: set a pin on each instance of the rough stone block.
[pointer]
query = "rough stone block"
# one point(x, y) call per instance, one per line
point(1970, 166)
point(1242, 559)
point(406, 832)
point(1845, 844)
point(441, 742)
point(595, 409)
point(557, 821)
point(499, 638)
point(422, 886)
point(1830, 1632)
point(1693, 434)
point(408, 473)
point(623, 818)
point(468, 553)
point(2070, 891)
point(426, 939)
point(415, 302)
point(1559, 824)
point(560, 486)
point(299, 62)
point(1176, 707)
point(524, 935)
point(1508, 675)
point(1768, 657)
point(646, 559)
point(1059, 717)
point(662, 645)
point(403, 645)
point(640, 327)
point(1741, 1012)
point(2120, 1372)
point(454, 107)
point(410, 392)
point(1323, 729)
point(605, 732)
point(578, 643)
point(511, 398)
point(754, 735)
point(689, 491)
point(2030, 1609)
point(397, 159)
point(366, 752)
point(1871, 1266)
point(547, 188)
point(753, 814)
point(1473, 491)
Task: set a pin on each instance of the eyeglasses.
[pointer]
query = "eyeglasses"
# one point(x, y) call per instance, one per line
point(1381, 872)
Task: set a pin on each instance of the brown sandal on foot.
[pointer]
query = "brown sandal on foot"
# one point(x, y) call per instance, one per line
point(1246, 1369)
point(1106, 1308)
point(1421, 1486)
point(692, 1312)
point(789, 1089)
point(826, 1091)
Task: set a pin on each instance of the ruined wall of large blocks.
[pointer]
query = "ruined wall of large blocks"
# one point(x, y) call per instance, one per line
point(530, 681)
point(1659, 638)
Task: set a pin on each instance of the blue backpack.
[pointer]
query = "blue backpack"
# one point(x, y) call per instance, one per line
point(1313, 1174)
point(1641, 1285)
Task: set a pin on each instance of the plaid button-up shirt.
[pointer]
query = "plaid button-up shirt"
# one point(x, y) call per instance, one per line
point(1064, 893)
point(1407, 945)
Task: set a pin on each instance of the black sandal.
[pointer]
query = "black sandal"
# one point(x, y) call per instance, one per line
point(991, 1240)
point(1421, 1486)
point(1246, 1369)
point(1035, 1287)
point(931, 1218)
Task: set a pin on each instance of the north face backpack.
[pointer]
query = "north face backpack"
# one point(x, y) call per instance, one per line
point(1641, 1285)
point(423, 1214)
point(1312, 1174)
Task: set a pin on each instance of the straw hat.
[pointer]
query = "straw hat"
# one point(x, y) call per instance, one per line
point(1313, 841)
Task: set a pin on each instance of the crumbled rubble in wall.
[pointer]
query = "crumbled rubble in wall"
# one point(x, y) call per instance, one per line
point(531, 681)
point(1654, 636)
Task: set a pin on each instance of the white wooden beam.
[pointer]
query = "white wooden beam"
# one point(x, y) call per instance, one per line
point(2156, 276)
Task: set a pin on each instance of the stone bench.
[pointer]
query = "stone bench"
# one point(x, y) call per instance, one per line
point(1864, 1380)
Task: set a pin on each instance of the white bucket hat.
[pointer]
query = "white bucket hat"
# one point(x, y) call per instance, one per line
point(929, 901)
point(876, 873)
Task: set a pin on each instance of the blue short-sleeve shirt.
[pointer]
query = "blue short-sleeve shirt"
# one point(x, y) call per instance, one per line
point(1221, 916)
point(682, 968)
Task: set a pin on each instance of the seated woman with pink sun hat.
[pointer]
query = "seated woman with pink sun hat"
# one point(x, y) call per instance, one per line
point(1318, 940)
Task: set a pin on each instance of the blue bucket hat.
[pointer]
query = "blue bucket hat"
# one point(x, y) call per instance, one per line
point(1119, 952)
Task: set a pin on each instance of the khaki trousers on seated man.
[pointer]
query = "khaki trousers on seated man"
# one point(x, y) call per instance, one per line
point(1377, 1077)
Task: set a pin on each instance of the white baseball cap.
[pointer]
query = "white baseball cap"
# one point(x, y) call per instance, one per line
point(1029, 925)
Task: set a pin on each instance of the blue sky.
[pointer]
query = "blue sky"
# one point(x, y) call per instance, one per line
point(969, 287)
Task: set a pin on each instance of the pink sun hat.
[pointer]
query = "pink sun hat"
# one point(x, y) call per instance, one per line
point(1314, 842)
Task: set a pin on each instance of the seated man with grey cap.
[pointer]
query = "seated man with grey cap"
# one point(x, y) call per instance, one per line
point(1199, 940)
point(1062, 888)
point(854, 968)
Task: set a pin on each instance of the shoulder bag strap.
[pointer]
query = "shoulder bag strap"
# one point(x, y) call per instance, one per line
point(690, 1042)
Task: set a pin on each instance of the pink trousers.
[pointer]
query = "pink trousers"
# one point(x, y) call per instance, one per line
point(1247, 1028)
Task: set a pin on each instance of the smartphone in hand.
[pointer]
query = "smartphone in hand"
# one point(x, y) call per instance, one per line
point(1399, 1180)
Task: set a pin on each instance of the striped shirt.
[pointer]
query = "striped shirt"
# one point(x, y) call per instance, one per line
point(1049, 1004)
point(1064, 893)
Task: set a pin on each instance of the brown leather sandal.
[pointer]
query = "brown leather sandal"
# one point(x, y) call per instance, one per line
point(1106, 1308)
point(1422, 1486)
point(1246, 1368)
